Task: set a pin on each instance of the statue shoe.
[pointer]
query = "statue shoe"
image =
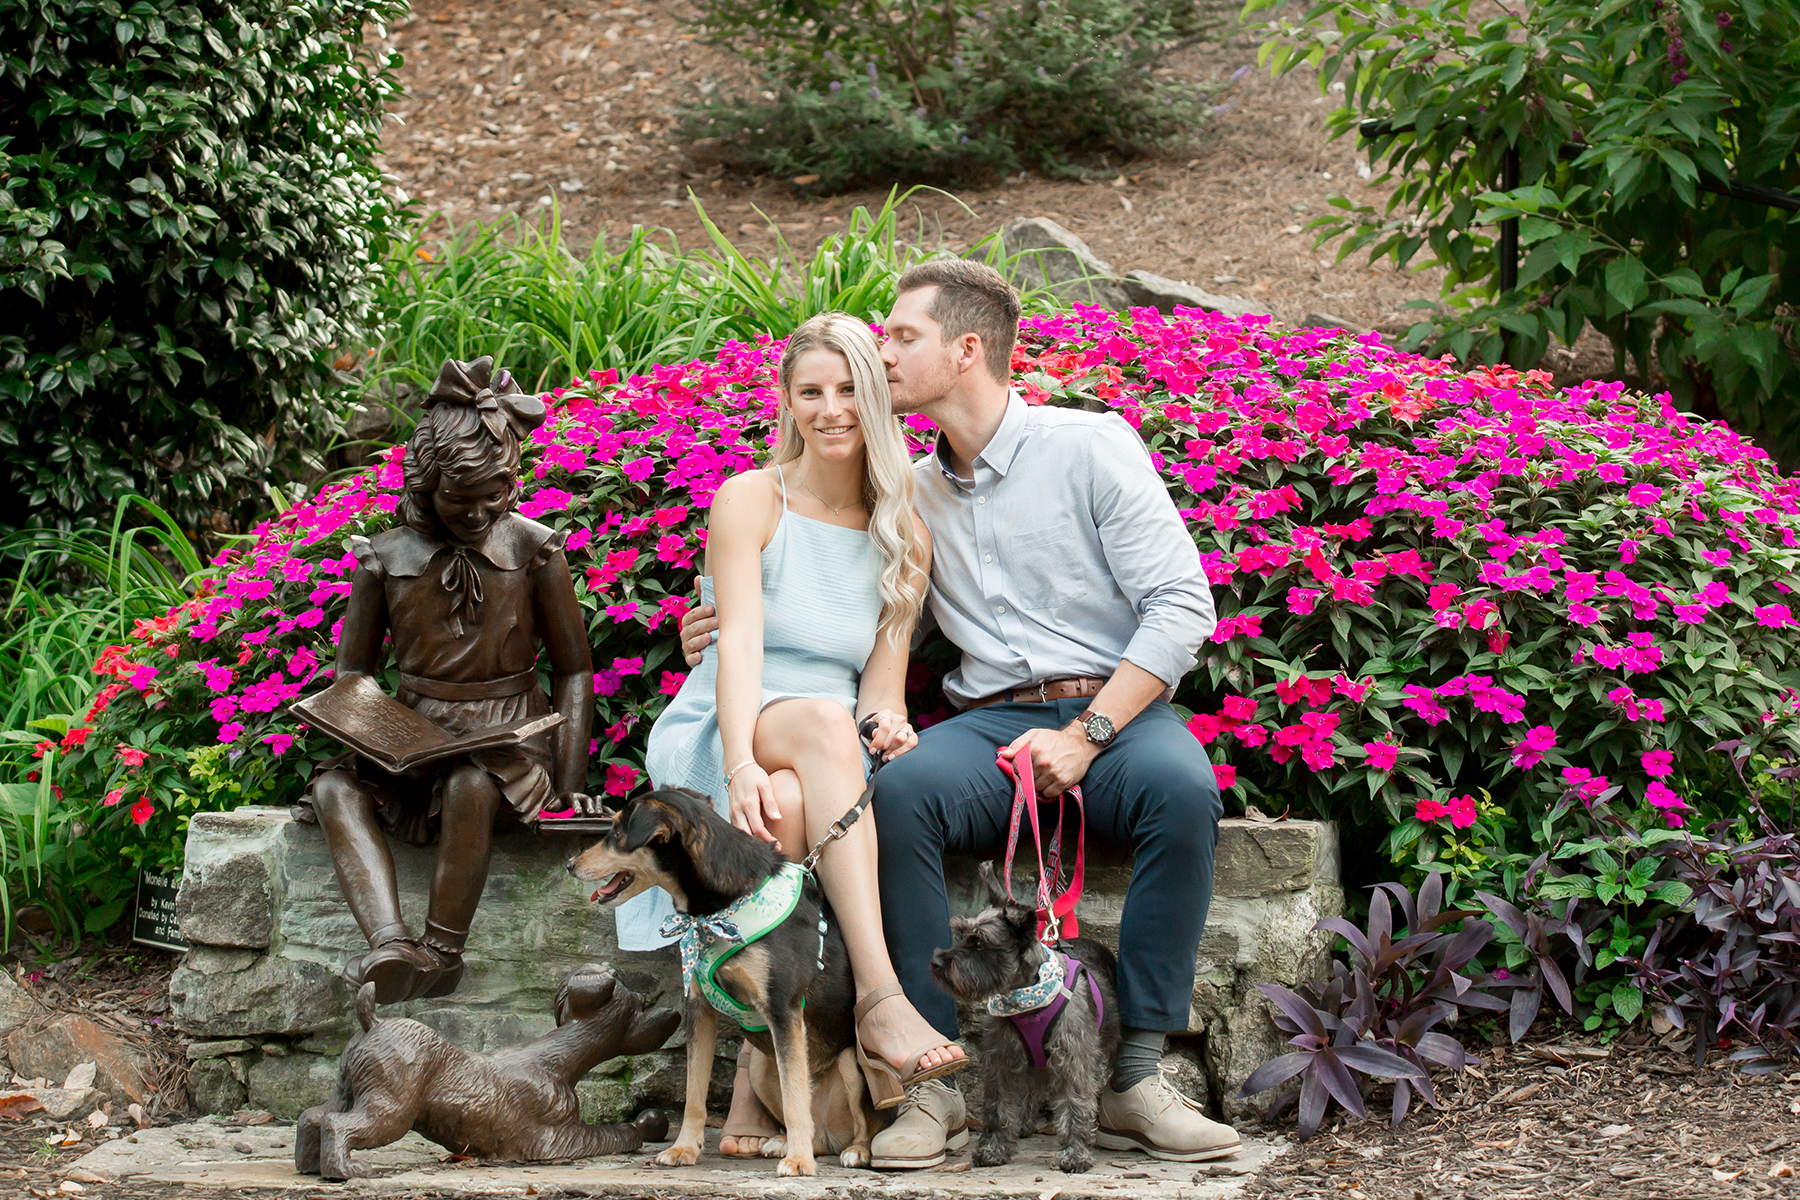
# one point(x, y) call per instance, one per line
point(398, 970)
point(442, 979)
point(932, 1120)
point(1155, 1118)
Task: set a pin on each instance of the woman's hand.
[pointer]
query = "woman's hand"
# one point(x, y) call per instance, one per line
point(752, 799)
point(893, 736)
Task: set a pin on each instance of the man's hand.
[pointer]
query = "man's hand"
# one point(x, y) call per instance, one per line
point(698, 627)
point(1060, 758)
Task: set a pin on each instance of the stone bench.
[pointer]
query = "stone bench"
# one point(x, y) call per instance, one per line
point(261, 994)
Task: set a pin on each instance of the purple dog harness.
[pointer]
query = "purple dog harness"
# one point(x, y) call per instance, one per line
point(1034, 1025)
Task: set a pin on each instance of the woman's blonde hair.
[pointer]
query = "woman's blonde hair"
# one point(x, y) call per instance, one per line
point(887, 476)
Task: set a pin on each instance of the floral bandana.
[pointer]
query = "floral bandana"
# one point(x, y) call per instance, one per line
point(694, 931)
point(1033, 996)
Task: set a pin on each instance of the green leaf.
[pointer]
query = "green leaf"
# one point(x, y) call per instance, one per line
point(1625, 281)
point(1627, 1001)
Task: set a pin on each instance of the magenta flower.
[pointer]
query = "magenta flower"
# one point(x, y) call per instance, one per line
point(1658, 764)
point(1301, 601)
point(1462, 812)
point(1661, 796)
point(1382, 755)
point(671, 682)
point(1530, 750)
point(1430, 810)
point(229, 732)
point(1774, 616)
point(279, 743)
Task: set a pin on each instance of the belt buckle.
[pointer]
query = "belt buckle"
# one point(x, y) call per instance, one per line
point(1044, 692)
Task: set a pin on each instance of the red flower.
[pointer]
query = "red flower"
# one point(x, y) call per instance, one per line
point(142, 810)
point(1225, 774)
point(1430, 810)
point(73, 739)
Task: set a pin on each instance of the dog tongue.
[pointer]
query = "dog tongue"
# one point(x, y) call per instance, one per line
point(595, 898)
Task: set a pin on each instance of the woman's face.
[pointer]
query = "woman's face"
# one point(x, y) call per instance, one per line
point(822, 400)
point(469, 508)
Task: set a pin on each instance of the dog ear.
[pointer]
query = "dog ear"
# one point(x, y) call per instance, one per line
point(643, 821)
point(998, 896)
point(726, 860)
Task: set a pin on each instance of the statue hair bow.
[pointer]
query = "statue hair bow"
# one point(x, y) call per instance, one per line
point(494, 394)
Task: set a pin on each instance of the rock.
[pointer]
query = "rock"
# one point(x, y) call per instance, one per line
point(1144, 290)
point(289, 1086)
point(1258, 858)
point(1325, 320)
point(1049, 256)
point(227, 895)
point(214, 1086)
point(533, 924)
point(605, 1098)
point(67, 1042)
point(16, 1005)
point(225, 993)
point(62, 1104)
point(199, 1050)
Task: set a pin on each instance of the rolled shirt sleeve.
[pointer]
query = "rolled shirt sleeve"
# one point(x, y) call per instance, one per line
point(1149, 553)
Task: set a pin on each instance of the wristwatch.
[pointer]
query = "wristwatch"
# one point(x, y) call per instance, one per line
point(1099, 728)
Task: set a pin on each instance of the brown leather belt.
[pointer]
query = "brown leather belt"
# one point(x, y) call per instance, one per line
point(484, 689)
point(1042, 693)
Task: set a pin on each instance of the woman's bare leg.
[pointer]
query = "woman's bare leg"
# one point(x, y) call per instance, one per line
point(811, 751)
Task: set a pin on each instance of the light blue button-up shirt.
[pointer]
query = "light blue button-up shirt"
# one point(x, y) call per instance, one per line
point(1063, 555)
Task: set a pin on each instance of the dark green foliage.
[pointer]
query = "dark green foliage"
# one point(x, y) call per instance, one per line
point(872, 90)
point(1626, 117)
point(190, 222)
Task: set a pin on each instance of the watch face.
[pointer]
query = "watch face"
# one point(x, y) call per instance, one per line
point(1099, 728)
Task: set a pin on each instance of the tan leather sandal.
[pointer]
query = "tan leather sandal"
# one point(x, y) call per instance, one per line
point(887, 1086)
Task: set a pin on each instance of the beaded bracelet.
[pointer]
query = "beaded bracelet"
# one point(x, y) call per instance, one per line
point(732, 774)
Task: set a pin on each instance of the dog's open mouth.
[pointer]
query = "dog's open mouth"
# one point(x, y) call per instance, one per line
point(612, 887)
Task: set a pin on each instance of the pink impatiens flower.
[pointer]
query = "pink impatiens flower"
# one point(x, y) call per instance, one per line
point(1430, 810)
point(1658, 764)
point(1531, 749)
point(1774, 616)
point(1382, 755)
point(1462, 812)
point(142, 811)
point(1224, 775)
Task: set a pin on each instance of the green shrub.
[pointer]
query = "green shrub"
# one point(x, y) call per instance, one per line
point(870, 90)
point(190, 221)
point(1622, 115)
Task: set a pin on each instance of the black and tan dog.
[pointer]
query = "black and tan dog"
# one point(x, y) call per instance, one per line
point(672, 839)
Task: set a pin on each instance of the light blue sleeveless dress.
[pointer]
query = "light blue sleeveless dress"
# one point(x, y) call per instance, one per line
point(821, 608)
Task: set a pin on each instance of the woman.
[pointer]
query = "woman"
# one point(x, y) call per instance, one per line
point(818, 568)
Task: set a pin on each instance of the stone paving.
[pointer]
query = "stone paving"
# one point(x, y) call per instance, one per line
point(211, 1153)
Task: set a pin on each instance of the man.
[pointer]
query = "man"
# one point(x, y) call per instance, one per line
point(1064, 574)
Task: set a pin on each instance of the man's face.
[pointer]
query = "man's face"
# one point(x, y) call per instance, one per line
point(921, 369)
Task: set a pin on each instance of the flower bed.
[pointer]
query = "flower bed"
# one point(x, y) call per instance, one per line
point(1430, 582)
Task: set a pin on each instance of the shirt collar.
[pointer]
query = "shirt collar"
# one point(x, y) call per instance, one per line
point(1001, 449)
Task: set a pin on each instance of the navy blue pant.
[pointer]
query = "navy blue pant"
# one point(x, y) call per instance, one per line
point(1151, 792)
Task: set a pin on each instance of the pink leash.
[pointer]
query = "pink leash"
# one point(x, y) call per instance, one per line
point(1055, 910)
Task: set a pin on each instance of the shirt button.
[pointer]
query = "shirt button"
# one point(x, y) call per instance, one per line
point(987, 558)
point(1001, 609)
point(981, 500)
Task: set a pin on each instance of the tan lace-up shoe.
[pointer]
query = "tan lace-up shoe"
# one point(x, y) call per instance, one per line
point(1160, 1121)
point(932, 1120)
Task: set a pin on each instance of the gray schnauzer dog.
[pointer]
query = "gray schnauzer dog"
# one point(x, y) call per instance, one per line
point(1062, 1050)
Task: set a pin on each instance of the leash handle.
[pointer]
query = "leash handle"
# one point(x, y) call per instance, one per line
point(1054, 910)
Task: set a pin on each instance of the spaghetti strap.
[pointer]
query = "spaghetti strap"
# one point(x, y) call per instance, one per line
point(782, 476)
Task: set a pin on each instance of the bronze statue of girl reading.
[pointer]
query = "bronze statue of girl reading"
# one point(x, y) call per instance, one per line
point(463, 591)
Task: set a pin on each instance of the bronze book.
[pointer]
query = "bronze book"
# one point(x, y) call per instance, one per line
point(359, 714)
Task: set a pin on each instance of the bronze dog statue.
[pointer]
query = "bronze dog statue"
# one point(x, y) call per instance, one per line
point(515, 1106)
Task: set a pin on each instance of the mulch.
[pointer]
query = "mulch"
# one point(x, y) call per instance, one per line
point(509, 106)
point(1568, 1116)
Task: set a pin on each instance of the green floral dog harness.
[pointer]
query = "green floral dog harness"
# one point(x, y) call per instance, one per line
point(709, 941)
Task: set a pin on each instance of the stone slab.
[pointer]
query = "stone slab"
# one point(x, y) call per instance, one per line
point(16, 1005)
point(278, 1016)
point(213, 1153)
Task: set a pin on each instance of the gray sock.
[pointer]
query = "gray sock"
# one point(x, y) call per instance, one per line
point(1140, 1054)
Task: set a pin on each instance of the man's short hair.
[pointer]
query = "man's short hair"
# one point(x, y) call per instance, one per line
point(972, 298)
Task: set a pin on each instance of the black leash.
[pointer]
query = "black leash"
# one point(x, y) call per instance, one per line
point(865, 730)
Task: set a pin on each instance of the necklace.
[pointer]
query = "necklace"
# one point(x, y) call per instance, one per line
point(835, 508)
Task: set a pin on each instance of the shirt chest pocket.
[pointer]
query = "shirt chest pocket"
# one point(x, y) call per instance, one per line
point(1047, 568)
